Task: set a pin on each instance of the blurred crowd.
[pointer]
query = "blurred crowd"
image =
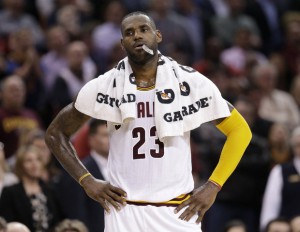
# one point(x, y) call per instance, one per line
point(249, 48)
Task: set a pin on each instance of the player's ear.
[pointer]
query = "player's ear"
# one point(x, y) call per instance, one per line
point(158, 36)
point(122, 46)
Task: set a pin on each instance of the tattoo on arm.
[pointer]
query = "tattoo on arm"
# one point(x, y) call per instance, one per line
point(58, 134)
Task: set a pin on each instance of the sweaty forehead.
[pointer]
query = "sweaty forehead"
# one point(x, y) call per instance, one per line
point(135, 21)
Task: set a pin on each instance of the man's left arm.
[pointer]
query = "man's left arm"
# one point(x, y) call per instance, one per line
point(238, 134)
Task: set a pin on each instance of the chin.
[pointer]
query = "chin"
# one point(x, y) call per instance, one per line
point(141, 59)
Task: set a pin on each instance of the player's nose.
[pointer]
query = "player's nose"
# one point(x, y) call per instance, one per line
point(137, 35)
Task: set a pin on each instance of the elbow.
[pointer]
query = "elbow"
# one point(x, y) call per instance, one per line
point(50, 137)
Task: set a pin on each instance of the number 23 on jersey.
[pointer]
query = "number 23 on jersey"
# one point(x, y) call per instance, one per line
point(140, 133)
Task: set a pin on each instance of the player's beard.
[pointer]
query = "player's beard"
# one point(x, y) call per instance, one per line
point(141, 57)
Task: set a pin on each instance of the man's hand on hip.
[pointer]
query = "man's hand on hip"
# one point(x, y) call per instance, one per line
point(104, 193)
point(200, 201)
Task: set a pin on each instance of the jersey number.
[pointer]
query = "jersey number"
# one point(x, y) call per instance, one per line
point(139, 132)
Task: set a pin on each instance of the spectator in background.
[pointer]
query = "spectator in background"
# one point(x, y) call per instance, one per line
point(13, 18)
point(83, 6)
point(295, 223)
point(225, 27)
point(279, 144)
point(197, 25)
point(275, 105)
point(15, 119)
point(52, 63)
point(80, 69)
point(98, 138)
point(68, 225)
point(86, 209)
point(50, 171)
point(214, 48)
point(259, 125)
point(281, 198)
point(68, 17)
point(102, 47)
point(31, 201)
point(176, 43)
point(278, 225)
point(55, 59)
point(267, 16)
point(219, 74)
point(47, 9)
point(7, 178)
point(23, 60)
point(16, 227)
point(291, 47)
point(212, 67)
point(72, 16)
point(241, 57)
point(235, 226)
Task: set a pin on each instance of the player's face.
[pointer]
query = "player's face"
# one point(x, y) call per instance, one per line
point(137, 30)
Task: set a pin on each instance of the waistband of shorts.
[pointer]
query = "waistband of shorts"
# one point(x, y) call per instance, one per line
point(173, 202)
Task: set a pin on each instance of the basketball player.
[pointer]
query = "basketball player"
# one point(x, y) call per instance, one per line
point(151, 184)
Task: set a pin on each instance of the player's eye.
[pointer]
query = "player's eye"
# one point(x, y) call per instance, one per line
point(129, 33)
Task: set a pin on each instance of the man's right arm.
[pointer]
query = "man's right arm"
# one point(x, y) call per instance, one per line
point(58, 135)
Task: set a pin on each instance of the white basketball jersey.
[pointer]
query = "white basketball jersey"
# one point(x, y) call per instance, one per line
point(143, 166)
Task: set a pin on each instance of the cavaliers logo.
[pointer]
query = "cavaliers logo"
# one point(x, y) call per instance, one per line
point(184, 88)
point(166, 96)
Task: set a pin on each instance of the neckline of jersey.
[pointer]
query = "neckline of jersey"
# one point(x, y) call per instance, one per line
point(145, 88)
